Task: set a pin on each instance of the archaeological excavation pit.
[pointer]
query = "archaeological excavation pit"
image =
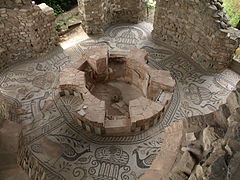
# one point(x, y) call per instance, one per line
point(118, 92)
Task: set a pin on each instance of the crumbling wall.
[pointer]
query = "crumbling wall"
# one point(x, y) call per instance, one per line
point(198, 28)
point(98, 14)
point(202, 147)
point(25, 31)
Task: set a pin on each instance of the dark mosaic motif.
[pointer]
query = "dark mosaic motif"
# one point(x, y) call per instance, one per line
point(64, 149)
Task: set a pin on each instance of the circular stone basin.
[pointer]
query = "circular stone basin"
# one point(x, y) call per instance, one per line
point(118, 92)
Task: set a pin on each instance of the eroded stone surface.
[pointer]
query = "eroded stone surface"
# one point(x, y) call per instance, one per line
point(210, 155)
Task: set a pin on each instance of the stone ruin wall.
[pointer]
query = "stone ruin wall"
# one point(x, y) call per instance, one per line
point(98, 14)
point(15, 3)
point(201, 147)
point(198, 28)
point(26, 30)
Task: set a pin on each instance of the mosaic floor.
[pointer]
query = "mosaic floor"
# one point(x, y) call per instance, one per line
point(64, 149)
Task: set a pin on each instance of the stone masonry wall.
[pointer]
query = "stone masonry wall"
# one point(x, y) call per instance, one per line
point(198, 28)
point(15, 3)
point(25, 32)
point(98, 14)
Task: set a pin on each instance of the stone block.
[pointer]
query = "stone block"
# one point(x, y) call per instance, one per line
point(185, 164)
point(98, 60)
point(233, 169)
point(209, 136)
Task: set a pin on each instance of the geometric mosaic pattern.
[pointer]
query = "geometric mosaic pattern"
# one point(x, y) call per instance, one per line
point(78, 155)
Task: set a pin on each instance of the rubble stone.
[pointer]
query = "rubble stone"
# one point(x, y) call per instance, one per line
point(217, 169)
point(209, 136)
point(185, 164)
point(234, 166)
point(221, 144)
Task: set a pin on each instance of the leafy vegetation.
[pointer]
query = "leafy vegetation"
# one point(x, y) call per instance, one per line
point(233, 11)
point(59, 25)
point(59, 6)
point(151, 4)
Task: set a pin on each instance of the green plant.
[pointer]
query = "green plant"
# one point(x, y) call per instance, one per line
point(57, 9)
point(151, 4)
point(59, 25)
point(59, 6)
point(233, 11)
